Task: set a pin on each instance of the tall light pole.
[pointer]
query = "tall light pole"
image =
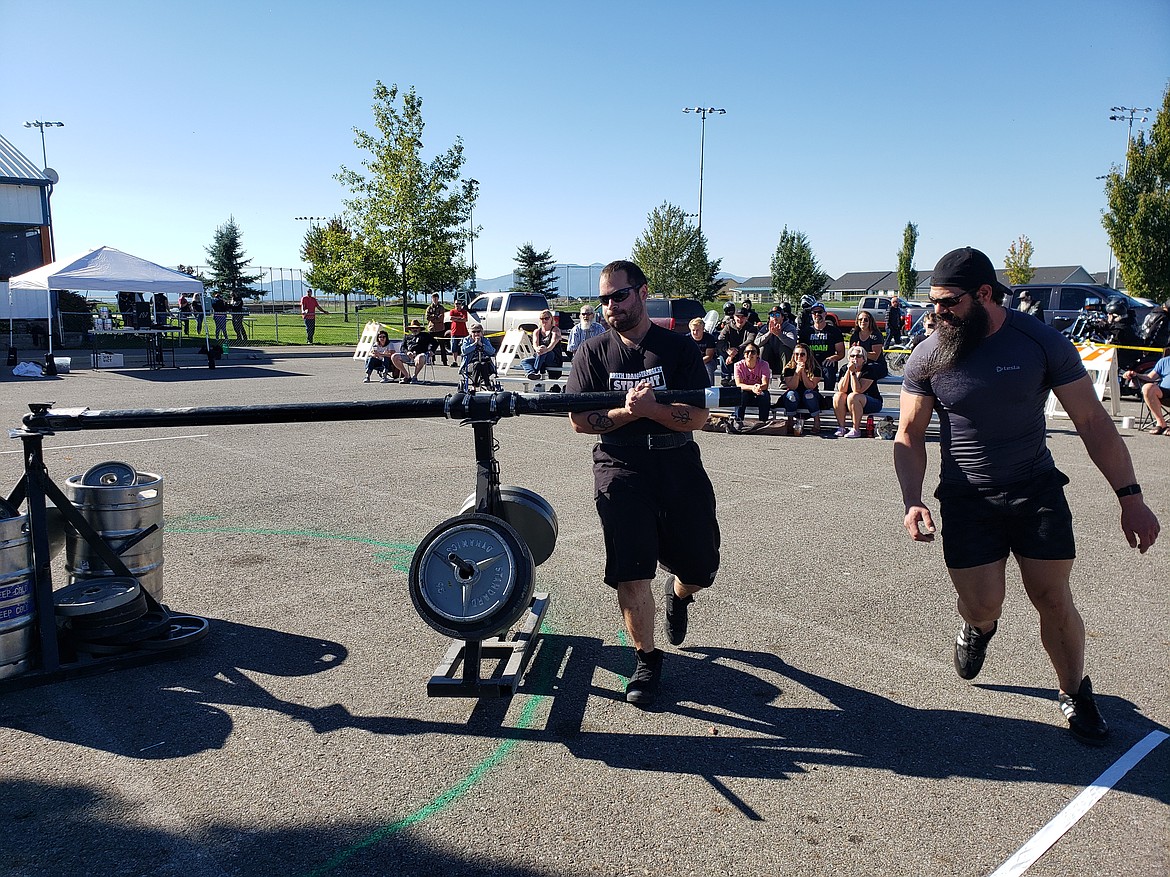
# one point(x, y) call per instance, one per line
point(1127, 114)
point(37, 123)
point(43, 125)
point(703, 113)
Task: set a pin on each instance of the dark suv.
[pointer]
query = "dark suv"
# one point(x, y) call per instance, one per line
point(1063, 302)
point(674, 313)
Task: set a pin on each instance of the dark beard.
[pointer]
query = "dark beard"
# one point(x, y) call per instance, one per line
point(957, 337)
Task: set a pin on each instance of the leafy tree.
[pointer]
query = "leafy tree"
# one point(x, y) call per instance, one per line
point(408, 214)
point(907, 276)
point(534, 271)
point(1018, 261)
point(1138, 221)
point(673, 253)
point(339, 265)
point(795, 270)
point(227, 267)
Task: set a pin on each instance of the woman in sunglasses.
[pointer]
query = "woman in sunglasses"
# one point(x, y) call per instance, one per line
point(857, 393)
point(802, 378)
point(752, 376)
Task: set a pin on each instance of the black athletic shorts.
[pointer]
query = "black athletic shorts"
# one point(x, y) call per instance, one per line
point(656, 507)
point(985, 524)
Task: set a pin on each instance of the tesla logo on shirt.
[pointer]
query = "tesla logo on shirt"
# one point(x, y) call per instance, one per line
point(651, 376)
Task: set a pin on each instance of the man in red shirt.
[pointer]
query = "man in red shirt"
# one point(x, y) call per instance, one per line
point(309, 309)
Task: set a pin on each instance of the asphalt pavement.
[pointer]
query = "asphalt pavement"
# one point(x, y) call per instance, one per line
point(811, 724)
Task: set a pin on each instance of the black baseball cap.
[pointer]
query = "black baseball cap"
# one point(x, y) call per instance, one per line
point(743, 312)
point(967, 268)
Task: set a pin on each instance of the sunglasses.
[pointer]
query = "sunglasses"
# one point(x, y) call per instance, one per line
point(617, 297)
point(818, 314)
point(949, 301)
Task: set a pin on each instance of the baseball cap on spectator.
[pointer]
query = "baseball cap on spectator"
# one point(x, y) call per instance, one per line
point(817, 308)
point(743, 312)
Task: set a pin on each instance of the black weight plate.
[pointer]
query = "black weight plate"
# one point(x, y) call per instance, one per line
point(112, 473)
point(182, 630)
point(151, 625)
point(530, 515)
point(7, 509)
point(105, 632)
point(132, 611)
point(471, 577)
point(96, 595)
point(99, 650)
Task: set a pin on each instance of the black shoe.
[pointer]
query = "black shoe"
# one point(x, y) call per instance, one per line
point(674, 623)
point(643, 685)
point(971, 649)
point(1084, 720)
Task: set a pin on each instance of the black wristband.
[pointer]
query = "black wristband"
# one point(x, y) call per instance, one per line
point(1129, 490)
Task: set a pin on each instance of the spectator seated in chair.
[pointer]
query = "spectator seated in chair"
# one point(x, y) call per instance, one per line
point(857, 393)
point(1155, 388)
point(379, 358)
point(547, 342)
point(753, 376)
point(479, 367)
point(416, 346)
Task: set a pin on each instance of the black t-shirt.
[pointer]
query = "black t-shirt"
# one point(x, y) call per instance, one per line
point(823, 343)
point(667, 360)
point(707, 342)
point(418, 342)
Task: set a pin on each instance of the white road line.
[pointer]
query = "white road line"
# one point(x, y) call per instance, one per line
point(167, 438)
point(1040, 842)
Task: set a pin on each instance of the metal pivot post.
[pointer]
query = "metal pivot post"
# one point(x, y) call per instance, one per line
point(35, 477)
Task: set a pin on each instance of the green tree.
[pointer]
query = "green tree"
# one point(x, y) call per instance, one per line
point(1018, 261)
point(534, 271)
point(339, 265)
point(907, 275)
point(673, 253)
point(226, 266)
point(1138, 220)
point(795, 270)
point(408, 214)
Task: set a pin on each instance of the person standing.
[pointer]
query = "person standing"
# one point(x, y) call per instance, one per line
point(197, 307)
point(434, 316)
point(653, 496)
point(219, 313)
point(239, 312)
point(310, 307)
point(1000, 492)
point(185, 313)
point(894, 320)
point(457, 317)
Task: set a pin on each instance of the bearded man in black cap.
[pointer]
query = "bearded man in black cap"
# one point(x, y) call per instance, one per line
point(988, 371)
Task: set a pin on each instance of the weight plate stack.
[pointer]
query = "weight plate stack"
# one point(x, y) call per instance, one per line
point(181, 630)
point(530, 514)
point(94, 596)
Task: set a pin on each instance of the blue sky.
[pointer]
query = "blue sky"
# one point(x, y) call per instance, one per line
point(979, 122)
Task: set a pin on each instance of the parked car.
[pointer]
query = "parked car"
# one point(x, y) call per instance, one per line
point(674, 313)
point(1063, 302)
point(498, 312)
point(845, 316)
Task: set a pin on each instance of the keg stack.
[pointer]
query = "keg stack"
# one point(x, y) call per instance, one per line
point(100, 613)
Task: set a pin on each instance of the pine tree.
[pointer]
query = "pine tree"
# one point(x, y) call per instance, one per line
point(227, 266)
point(535, 271)
point(795, 270)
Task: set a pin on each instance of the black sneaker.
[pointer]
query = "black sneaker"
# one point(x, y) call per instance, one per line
point(971, 649)
point(1084, 720)
point(643, 685)
point(674, 623)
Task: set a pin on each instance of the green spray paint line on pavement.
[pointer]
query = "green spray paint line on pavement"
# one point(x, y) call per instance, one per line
point(476, 774)
point(442, 801)
point(397, 554)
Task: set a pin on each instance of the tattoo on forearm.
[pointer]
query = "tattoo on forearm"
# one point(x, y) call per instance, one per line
point(600, 421)
point(681, 415)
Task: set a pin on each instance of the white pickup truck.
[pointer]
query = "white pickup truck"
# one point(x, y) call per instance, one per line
point(498, 312)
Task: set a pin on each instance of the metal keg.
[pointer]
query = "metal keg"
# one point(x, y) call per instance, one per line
point(16, 596)
point(119, 512)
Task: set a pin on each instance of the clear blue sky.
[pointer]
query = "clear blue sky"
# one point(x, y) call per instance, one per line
point(979, 121)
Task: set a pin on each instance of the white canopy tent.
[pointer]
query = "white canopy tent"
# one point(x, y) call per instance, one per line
point(103, 269)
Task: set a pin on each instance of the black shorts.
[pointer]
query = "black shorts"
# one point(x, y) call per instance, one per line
point(656, 507)
point(984, 524)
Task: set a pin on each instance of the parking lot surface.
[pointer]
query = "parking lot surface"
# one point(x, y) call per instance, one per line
point(811, 724)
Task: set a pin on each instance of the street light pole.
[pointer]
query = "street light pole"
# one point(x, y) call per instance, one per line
point(1127, 114)
point(37, 123)
point(703, 113)
point(471, 188)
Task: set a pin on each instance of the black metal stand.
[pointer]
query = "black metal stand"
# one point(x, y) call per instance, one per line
point(511, 657)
